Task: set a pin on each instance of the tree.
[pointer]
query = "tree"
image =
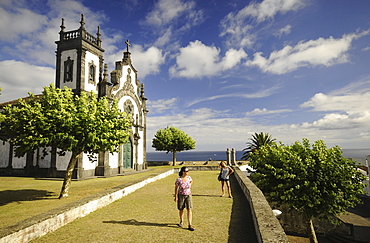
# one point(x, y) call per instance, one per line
point(314, 180)
point(62, 120)
point(258, 140)
point(172, 139)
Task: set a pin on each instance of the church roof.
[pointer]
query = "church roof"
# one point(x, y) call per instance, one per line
point(14, 102)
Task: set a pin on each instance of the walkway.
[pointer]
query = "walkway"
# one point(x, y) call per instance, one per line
point(150, 215)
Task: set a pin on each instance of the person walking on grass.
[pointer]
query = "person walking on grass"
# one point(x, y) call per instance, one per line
point(183, 196)
point(225, 172)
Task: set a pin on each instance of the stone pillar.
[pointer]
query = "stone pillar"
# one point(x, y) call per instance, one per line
point(228, 156)
point(103, 168)
point(233, 155)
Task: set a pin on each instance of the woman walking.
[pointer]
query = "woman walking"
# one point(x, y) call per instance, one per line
point(225, 172)
point(183, 196)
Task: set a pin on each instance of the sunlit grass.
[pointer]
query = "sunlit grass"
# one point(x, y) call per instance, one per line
point(150, 215)
point(24, 197)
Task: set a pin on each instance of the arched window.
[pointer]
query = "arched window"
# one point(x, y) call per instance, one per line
point(68, 70)
point(92, 70)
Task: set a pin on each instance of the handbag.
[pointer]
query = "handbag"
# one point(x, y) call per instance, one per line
point(219, 176)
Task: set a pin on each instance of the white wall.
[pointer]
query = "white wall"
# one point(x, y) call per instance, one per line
point(4, 154)
point(64, 57)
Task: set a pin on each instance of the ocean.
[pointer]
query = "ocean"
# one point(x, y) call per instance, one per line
point(221, 155)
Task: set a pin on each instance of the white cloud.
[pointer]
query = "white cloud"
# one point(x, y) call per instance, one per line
point(237, 25)
point(22, 79)
point(15, 23)
point(198, 60)
point(284, 31)
point(159, 106)
point(170, 19)
point(166, 11)
point(36, 34)
point(147, 61)
point(267, 9)
point(258, 94)
point(346, 108)
point(264, 111)
point(325, 52)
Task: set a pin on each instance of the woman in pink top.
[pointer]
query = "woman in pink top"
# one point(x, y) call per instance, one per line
point(183, 196)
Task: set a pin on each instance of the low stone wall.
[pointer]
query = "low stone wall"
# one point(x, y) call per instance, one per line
point(268, 228)
point(42, 224)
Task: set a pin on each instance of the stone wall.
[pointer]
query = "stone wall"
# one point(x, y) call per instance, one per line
point(268, 228)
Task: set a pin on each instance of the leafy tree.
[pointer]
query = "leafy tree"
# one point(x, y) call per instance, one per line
point(258, 140)
point(314, 180)
point(62, 120)
point(172, 139)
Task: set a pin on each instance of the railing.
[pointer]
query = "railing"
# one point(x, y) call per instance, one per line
point(76, 34)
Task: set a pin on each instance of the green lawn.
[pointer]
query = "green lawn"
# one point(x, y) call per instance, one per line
point(24, 197)
point(150, 215)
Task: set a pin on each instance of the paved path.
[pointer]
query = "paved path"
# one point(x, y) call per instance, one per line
point(150, 215)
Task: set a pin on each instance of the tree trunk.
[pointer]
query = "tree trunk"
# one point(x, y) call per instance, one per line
point(311, 231)
point(68, 175)
point(174, 158)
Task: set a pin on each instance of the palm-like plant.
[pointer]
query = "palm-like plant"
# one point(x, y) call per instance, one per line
point(257, 141)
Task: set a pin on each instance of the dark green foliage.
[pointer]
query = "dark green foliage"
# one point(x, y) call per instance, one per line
point(315, 180)
point(62, 120)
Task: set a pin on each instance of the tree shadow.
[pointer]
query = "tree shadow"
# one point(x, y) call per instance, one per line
point(362, 209)
point(9, 196)
point(241, 227)
point(140, 223)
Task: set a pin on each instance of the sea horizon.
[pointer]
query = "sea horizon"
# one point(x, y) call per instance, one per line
point(195, 155)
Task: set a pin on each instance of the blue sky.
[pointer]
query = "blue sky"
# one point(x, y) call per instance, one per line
point(218, 70)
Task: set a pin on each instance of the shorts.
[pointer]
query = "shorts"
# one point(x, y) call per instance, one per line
point(222, 179)
point(184, 201)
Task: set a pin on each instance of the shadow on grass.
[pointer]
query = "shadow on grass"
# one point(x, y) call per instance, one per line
point(139, 223)
point(9, 196)
point(241, 227)
point(362, 209)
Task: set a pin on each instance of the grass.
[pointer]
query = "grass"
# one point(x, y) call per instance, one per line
point(24, 197)
point(150, 215)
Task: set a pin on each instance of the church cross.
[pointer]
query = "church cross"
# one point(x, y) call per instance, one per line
point(128, 44)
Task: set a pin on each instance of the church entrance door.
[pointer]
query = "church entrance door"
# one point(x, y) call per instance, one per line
point(127, 155)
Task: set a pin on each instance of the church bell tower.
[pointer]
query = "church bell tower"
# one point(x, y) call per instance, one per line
point(79, 59)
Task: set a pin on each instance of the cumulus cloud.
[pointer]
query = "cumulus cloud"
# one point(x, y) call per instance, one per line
point(237, 25)
point(147, 61)
point(24, 78)
point(345, 108)
point(198, 60)
point(325, 52)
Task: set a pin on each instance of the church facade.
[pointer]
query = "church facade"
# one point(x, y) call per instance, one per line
point(80, 66)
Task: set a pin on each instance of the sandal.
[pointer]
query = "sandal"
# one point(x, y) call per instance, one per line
point(191, 228)
point(180, 224)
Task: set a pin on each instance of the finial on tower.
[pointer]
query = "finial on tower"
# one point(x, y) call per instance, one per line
point(62, 27)
point(82, 22)
point(98, 33)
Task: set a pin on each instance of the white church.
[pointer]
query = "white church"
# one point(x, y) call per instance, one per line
point(80, 66)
